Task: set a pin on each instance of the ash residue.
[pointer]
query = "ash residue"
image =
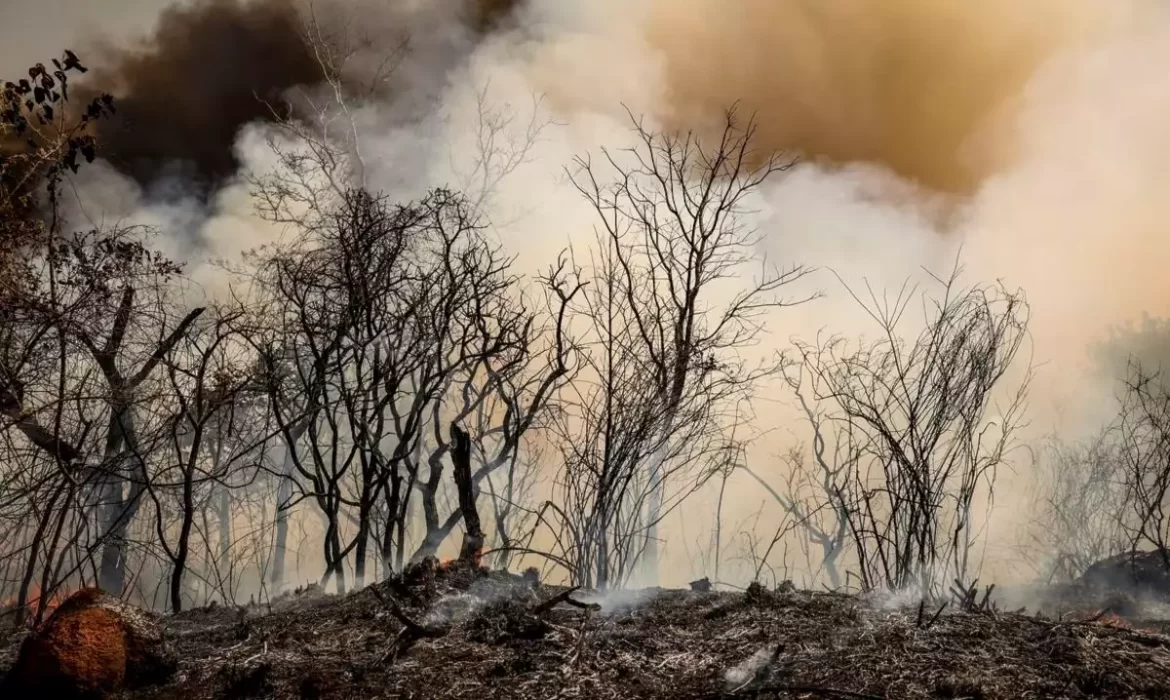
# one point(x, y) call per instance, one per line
point(492, 635)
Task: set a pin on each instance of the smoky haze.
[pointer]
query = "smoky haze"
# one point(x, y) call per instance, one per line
point(1040, 127)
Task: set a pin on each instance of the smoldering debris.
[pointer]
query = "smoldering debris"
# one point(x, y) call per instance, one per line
point(750, 670)
point(1145, 573)
point(674, 644)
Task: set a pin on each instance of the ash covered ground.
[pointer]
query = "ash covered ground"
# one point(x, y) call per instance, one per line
point(466, 633)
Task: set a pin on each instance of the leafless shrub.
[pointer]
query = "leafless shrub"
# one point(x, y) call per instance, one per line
point(1081, 494)
point(918, 430)
point(1143, 432)
point(662, 385)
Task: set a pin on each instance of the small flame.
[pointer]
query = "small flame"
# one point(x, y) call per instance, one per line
point(1111, 619)
point(446, 564)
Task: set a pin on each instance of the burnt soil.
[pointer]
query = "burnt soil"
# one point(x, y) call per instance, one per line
point(480, 636)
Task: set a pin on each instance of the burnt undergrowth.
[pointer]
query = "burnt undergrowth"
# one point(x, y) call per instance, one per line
point(462, 632)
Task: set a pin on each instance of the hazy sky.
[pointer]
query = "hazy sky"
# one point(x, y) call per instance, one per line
point(38, 30)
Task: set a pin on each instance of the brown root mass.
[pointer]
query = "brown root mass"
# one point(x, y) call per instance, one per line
point(92, 646)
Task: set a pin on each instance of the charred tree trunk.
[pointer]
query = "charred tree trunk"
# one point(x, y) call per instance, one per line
point(123, 458)
point(284, 494)
point(461, 461)
point(396, 513)
point(115, 507)
point(363, 541)
point(184, 547)
point(51, 574)
point(225, 525)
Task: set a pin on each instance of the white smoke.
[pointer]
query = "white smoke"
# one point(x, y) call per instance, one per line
point(1072, 207)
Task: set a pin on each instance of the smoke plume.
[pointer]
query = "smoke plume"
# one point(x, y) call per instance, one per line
point(207, 69)
point(1030, 135)
point(184, 92)
point(914, 85)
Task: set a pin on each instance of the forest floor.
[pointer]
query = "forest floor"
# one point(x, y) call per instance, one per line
point(468, 634)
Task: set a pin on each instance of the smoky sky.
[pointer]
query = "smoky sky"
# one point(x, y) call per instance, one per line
point(183, 94)
point(204, 69)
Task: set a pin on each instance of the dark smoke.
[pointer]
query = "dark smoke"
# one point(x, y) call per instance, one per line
point(184, 93)
point(209, 69)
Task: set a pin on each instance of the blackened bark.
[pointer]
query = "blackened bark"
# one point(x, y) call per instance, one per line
point(461, 462)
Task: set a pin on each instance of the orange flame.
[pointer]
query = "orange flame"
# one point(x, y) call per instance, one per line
point(1109, 618)
point(34, 598)
point(476, 558)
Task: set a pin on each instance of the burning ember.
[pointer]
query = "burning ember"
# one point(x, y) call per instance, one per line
point(1109, 618)
point(475, 561)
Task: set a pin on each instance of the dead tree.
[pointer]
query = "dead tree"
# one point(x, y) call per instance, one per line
point(395, 319)
point(614, 424)
point(102, 299)
point(1081, 495)
point(811, 490)
point(671, 233)
point(504, 395)
point(1143, 432)
point(125, 478)
point(43, 138)
point(203, 454)
point(922, 435)
point(473, 537)
point(421, 320)
point(324, 300)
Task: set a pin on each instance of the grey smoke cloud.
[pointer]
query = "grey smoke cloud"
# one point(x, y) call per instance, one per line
point(1030, 135)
